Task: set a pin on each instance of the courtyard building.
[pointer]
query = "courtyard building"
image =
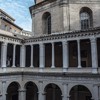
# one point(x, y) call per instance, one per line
point(59, 59)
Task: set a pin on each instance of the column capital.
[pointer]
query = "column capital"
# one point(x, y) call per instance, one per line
point(4, 43)
point(78, 40)
point(64, 83)
point(22, 90)
point(65, 42)
point(93, 40)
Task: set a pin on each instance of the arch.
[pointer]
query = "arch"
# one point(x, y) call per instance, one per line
point(53, 92)
point(31, 91)
point(80, 92)
point(46, 23)
point(12, 91)
point(86, 18)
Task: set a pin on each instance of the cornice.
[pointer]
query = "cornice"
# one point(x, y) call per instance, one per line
point(10, 39)
point(69, 35)
point(45, 74)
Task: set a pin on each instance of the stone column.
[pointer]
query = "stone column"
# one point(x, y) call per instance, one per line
point(4, 54)
point(79, 54)
point(4, 90)
point(42, 56)
point(14, 54)
point(53, 56)
point(22, 56)
point(22, 94)
point(31, 56)
point(41, 93)
point(65, 92)
point(65, 56)
point(94, 55)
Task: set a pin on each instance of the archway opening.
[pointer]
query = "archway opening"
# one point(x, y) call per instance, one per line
point(46, 18)
point(12, 91)
point(31, 91)
point(80, 92)
point(86, 18)
point(53, 92)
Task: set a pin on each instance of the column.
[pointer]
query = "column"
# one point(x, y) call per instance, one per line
point(65, 92)
point(4, 90)
point(53, 56)
point(41, 93)
point(42, 56)
point(22, 56)
point(31, 56)
point(65, 56)
point(14, 53)
point(94, 55)
point(3, 54)
point(79, 54)
point(22, 94)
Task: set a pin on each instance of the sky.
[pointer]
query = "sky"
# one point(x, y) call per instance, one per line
point(19, 10)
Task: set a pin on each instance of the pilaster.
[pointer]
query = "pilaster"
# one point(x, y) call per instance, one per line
point(22, 94)
point(4, 90)
point(65, 92)
point(41, 93)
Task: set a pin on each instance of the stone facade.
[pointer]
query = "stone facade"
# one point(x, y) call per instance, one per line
point(65, 15)
point(63, 65)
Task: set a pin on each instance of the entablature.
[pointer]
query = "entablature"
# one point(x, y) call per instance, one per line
point(86, 34)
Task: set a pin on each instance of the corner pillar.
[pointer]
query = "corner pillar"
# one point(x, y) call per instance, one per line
point(65, 55)
point(4, 54)
point(22, 94)
point(94, 55)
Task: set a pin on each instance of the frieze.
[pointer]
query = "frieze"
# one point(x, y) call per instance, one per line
point(63, 36)
point(10, 39)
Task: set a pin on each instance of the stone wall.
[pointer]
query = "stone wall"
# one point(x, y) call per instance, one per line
point(64, 15)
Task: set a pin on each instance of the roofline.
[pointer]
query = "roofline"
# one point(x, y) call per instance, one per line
point(12, 23)
point(7, 14)
point(39, 4)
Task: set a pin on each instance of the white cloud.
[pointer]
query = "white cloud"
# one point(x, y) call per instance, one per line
point(19, 10)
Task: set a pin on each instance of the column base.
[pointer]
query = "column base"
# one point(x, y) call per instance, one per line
point(32, 66)
point(41, 69)
point(65, 69)
point(3, 66)
point(52, 67)
point(94, 70)
point(13, 66)
point(79, 66)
